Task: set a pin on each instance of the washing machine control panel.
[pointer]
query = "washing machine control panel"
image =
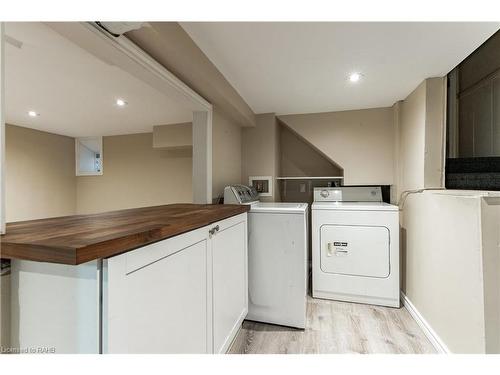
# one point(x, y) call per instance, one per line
point(240, 194)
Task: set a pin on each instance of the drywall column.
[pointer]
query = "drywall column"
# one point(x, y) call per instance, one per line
point(202, 157)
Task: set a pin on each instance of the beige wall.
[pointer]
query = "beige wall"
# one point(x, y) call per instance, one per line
point(41, 180)
point(226, 153)
point(39, 174)
point(136, 175)
point(260, 151)
point(361, 142)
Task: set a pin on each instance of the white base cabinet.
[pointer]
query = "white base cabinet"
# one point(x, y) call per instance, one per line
point(230, 282)
point(186, 294)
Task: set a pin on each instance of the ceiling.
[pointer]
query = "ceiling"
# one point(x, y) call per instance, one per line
point(304, 67)
point(75, 92)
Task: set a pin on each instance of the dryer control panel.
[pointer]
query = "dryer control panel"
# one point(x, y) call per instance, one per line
point(348, 194)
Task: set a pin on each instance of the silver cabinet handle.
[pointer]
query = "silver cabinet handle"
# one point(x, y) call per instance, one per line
point(213, 230)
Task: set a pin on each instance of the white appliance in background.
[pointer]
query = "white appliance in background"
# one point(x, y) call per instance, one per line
point(355, 246)
point(277, 258)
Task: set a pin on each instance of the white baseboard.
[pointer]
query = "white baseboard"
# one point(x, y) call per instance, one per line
point(426, 327)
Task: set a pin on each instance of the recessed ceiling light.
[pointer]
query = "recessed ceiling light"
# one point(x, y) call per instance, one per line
point(33, 114)
point(354, 77)
point(121, 103)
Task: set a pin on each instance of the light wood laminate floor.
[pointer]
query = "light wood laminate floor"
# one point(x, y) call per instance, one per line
point(337, 327)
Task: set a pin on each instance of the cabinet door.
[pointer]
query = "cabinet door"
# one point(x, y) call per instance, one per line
point(230, 280)
point(156, 299)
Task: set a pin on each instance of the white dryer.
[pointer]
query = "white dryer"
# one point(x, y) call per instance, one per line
point(355, 246)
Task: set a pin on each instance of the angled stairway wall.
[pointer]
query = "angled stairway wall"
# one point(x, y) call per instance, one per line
point(298, 158)
point(360, 141)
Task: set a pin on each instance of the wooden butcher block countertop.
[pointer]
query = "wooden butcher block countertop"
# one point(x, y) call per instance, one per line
point(82, 238)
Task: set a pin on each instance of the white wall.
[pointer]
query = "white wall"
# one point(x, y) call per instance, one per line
point(442, 266)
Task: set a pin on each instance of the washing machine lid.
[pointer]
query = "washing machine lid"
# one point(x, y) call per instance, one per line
point(354, 206)
point(278, 207)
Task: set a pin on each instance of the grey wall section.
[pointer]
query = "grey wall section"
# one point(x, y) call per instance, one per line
point(40, 174)
point(171, 46)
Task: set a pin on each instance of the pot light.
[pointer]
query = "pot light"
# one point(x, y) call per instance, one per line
point(121, 103)
point(354, 77)
point(33, 114)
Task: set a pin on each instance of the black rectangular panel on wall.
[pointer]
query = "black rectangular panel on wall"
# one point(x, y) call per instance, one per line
point(481, 173)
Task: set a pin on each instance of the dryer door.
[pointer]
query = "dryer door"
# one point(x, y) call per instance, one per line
point(355, 250)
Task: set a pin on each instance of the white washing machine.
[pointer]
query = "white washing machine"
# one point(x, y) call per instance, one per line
point(355, 246)
point(277, 258)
